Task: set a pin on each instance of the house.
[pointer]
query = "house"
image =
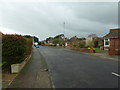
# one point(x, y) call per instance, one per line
point(94, 41)
point(112, 42)
point(72, 40)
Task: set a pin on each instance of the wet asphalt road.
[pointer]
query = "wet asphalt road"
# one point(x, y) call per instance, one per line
point(75, 70)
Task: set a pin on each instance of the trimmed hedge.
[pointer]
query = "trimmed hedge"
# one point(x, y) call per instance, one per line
point(29, 45)
point(15, 48)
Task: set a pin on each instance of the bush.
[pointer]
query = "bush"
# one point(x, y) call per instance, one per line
point(90, 44)
point(14, 49)
point(74, 45)
point(58, 41)
point(82, 45)
point(39, 43)
point(98, 50)
point(29, 45)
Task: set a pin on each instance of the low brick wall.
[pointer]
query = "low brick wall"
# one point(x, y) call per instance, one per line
point(106, 48)
point(84, 50)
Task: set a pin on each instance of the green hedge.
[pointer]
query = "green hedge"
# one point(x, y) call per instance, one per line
point(29, 45)
point(14, 49)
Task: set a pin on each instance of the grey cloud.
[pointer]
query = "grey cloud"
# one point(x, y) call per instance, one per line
point(106, 13)
point(46, 19)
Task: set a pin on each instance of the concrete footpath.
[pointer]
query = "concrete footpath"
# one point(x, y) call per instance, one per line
point(34, 74)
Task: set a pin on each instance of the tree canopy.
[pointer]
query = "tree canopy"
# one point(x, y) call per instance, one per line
point(59, 36)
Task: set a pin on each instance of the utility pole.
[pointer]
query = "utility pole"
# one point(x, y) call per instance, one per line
point(64, 28)
point(64, 33)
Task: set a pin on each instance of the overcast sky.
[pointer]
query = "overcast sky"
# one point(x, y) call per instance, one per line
point(45, 19)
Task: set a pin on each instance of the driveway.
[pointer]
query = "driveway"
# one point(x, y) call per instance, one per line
point(76, 70)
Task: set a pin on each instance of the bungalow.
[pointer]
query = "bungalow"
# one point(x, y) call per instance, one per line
point(112, 42)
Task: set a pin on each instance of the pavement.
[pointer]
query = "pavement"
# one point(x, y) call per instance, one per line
point(7, 78)
point(34, 74)
point(70, 69)
point(107, 56)
point(99, 54)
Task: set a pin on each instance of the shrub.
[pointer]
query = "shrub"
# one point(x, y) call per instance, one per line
point(29, 45)
point(14, 48)
point(58, 41)
point(82, 45)
point(98, 50)
point(74, 45)
point(90, 44)
point(39, 43)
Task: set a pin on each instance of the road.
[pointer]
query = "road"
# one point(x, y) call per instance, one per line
point(70, 69)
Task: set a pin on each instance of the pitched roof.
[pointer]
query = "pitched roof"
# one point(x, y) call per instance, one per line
point(114, 33)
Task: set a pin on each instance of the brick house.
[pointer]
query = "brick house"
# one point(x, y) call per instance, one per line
point(112, 42)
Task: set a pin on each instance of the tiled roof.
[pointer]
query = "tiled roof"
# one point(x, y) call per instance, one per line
point(114, 33)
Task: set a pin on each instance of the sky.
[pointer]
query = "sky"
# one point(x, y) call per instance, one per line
point(46, 19)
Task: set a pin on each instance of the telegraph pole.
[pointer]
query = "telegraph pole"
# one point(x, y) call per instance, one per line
point(64, 33)
point(64, 28)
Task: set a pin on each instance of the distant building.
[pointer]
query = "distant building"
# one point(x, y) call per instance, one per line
point(112, 42)
point(94, 41)
point(72, 41)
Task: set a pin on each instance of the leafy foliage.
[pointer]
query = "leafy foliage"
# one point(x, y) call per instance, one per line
point(36, 39)
point(58, 41)
point(14, 48)
point(82, 45)
point(59, 36)
point(90, 44)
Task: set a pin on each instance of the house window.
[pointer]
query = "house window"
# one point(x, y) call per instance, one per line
point(106, 42)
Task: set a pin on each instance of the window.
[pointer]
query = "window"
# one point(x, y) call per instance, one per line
point(106, 42)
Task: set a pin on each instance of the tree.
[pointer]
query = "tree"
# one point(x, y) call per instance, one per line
point(58, 41)
point(90, 44)
point(59, 36)
point(36, 39)
point(27, 36)
point(49, 39)
point(92, 35)
point(39, 43)
point(96, 44)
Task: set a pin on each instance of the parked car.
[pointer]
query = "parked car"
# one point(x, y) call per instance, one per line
point(37, 46)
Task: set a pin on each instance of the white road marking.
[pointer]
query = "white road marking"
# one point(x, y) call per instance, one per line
point(115, 74)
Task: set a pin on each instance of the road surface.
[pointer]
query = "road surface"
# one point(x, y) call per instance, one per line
point(70, 69)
